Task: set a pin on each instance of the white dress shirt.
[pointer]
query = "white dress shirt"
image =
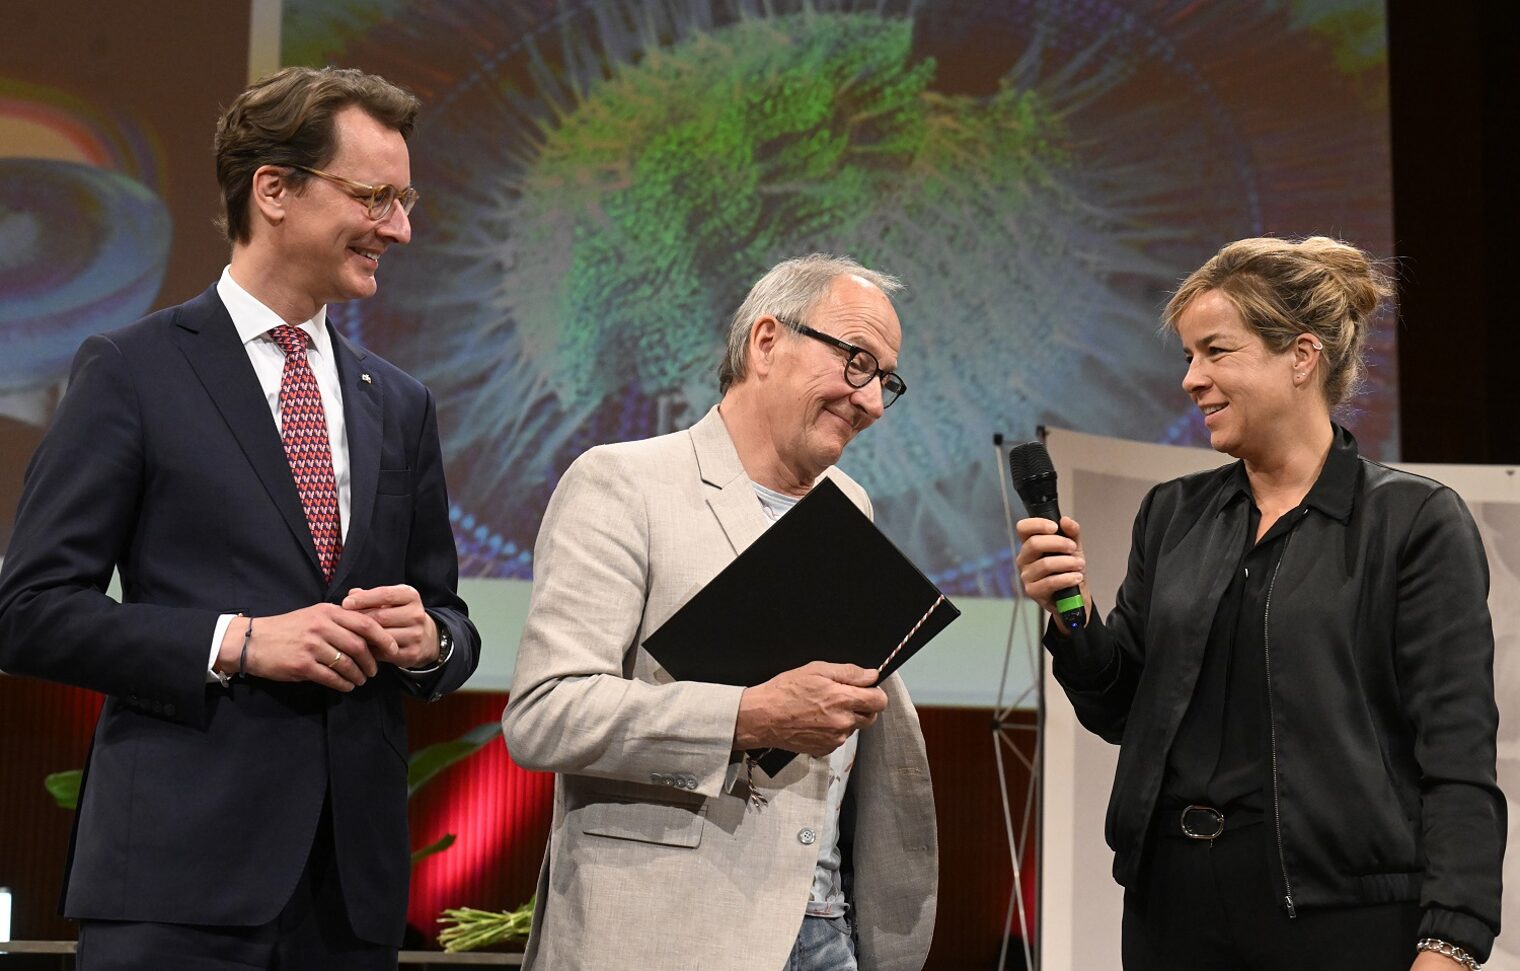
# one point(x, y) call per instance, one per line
point(254, 321)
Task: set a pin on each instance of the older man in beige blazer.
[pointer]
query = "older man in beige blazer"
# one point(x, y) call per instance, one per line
point(662, 855)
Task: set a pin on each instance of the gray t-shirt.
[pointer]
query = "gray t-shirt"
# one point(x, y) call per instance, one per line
point(827, 896)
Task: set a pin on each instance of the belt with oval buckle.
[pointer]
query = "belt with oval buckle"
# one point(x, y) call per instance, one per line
point(1206, 818)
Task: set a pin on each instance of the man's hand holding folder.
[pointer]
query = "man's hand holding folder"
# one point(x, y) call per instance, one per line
point(806, 607)
point(811, 709)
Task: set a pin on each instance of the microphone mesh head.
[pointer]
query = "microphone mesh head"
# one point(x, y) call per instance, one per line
point(1029, 461)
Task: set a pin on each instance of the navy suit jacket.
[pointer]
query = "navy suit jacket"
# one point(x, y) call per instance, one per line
point(200, 802)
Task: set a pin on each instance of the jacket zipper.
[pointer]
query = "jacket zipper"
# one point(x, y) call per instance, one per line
point(1266, 649)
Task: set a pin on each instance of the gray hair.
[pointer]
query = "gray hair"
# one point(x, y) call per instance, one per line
point(788, 291)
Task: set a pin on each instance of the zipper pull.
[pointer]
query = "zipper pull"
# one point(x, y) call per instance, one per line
point(1288, 902)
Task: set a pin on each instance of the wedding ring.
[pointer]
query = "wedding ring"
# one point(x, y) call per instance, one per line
point(337, 656)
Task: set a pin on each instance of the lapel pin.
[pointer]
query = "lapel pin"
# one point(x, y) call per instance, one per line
point(366, 379)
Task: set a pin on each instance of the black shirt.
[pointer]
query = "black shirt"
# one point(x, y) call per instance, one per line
point(1222, 755)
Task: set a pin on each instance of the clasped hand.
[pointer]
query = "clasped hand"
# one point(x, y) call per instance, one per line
point(338, 646)
point(811, 709)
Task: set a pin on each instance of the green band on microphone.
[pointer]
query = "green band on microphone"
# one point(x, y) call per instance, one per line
point(1069, 603)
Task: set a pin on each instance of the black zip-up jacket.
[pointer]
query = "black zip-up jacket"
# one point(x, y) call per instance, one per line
point(1379, 654)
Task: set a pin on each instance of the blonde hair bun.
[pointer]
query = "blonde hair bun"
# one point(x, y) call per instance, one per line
point(1283, 288)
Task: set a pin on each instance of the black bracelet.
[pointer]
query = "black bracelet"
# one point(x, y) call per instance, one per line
point(243, 655)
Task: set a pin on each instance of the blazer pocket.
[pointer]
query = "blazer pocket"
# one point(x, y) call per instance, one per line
point(394, 482)
point(646, 822)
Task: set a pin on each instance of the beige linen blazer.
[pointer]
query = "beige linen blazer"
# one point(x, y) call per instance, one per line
point(652, 862)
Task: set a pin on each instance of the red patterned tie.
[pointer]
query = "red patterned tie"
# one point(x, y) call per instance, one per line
point(303, 429)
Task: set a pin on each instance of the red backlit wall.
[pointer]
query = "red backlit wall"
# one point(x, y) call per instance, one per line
point(498, 812)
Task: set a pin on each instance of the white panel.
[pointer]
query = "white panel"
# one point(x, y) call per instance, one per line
point(959, 668)
point(1102, 481)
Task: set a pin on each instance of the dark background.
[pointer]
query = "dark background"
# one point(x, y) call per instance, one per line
point(1452, 94)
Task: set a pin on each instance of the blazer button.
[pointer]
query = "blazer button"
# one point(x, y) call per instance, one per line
point(169, 708)
point(807, 837)
point(656, 779)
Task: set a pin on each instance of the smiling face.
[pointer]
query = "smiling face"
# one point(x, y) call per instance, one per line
point(812, 411)
point(329, 247)
point(1249, 394)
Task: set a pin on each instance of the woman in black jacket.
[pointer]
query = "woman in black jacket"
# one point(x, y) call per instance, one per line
point(1298, 667)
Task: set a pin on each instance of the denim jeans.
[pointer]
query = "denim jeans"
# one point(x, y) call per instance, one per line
point(823, 944)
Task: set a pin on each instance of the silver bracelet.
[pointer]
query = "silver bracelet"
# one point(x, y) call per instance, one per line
point(1449, 950)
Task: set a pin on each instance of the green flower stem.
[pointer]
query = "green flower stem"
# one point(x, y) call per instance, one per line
point(470, 929)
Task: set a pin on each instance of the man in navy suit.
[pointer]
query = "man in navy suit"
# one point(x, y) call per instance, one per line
point(273, 499)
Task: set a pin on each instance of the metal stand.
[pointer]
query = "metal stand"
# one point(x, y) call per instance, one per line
point(1003, 735)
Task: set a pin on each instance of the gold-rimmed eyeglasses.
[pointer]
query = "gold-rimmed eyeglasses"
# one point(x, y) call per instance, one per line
point(378, 199)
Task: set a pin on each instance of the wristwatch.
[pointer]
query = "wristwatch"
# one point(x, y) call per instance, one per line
point(445, 650)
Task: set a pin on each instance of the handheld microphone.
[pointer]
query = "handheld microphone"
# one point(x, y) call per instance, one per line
point(1034, 479)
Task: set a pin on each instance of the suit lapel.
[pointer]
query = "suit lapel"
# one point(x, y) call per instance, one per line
point(735, 504)
point(209, 341)
point(363, 411)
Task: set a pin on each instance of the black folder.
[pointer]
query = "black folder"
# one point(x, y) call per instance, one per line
point(821, 584)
